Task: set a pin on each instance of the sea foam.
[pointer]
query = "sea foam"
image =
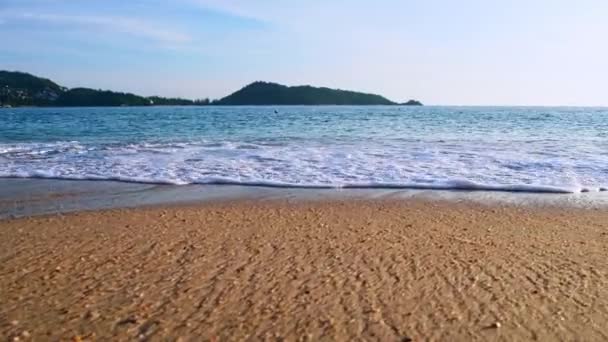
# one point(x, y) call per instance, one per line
point(412, 165)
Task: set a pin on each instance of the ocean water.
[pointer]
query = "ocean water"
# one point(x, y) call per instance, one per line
point(472, 148)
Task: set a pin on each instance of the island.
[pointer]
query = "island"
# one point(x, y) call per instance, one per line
point(412, 103)
point(23, 89)
point(266, 93)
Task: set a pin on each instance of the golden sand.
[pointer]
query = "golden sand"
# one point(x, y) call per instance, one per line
point(339, 270)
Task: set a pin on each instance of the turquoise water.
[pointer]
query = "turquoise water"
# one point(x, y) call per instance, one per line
point(503, 148)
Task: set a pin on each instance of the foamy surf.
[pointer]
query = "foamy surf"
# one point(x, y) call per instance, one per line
point(461, 185)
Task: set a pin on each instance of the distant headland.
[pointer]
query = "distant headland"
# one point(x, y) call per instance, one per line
point(266, 93)
point(19, 89)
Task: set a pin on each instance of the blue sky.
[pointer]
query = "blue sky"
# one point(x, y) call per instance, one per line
point(509, 52)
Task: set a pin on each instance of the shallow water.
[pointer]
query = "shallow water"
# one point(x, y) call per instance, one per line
point(475, 148)
point(29, 197)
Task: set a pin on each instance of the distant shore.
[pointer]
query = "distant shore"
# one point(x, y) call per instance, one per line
point(391, 270)
point(20, 88)
point(211, 105)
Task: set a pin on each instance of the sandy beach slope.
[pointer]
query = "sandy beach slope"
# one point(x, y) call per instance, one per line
point(339, 270)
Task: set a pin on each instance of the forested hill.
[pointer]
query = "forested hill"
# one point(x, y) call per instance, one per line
point(265, 93)
point(23, 89)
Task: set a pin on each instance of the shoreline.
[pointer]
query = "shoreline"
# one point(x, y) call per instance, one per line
point(372, 269)
point(22, 197)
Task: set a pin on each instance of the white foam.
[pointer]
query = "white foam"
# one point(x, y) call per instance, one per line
point(462, 165)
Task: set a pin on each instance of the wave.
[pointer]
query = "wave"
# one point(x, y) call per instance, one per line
point(508, 166)
point(458, 185)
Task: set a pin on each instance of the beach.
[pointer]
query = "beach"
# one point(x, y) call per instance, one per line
point(350, 269)
point(303, 171)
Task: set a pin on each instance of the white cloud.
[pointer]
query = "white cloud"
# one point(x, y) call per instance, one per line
point(257, 11)
point(125, 25)
point(309, 14)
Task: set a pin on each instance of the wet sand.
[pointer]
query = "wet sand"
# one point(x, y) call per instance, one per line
point(390, 270)
point(31, 196)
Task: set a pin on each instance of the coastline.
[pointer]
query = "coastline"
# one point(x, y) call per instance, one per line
point(22, 197)
point(373, 269)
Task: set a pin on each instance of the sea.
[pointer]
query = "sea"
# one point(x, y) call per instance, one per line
point(515, 149)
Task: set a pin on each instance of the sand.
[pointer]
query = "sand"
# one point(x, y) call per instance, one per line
point(325, 270)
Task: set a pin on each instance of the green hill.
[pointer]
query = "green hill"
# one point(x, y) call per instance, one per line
point(23, 89)
point(264, 93)
point(79, 97)
point(412, 103)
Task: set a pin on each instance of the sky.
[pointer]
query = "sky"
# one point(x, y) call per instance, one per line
point(442, 52)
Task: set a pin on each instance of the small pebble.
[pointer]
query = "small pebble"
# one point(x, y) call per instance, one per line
point(92, 315)
point(14, 322)
point(495, 325)
point(25, 334)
